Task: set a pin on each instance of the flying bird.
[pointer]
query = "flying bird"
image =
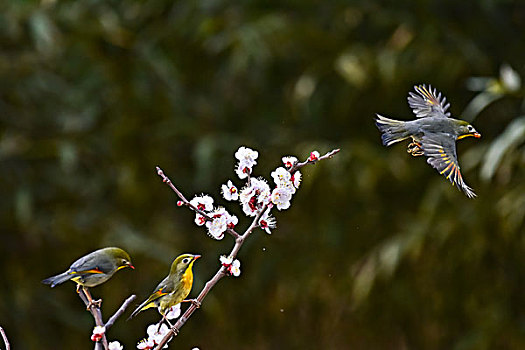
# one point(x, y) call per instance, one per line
point(433, 133)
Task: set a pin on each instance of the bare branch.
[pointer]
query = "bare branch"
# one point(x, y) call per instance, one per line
point(120, 311)
point(4, 336)
point(94, 309)
point(297, 166)
point(97, 315)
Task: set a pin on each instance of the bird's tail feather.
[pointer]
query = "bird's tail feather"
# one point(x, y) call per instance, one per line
point(392, 130)
point(145, 305)
point(58, 279)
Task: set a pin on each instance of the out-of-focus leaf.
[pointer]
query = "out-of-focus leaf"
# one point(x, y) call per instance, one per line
point(351, 68)
point(45, 33)
point(510, 78)
point(513, 135)
point(479, 103)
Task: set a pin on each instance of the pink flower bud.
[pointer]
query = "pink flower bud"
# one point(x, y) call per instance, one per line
point(314, 156)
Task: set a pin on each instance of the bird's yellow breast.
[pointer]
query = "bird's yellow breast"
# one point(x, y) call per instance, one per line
point(187, 280)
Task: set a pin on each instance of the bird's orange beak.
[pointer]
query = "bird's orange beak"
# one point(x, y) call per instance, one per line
point(131, 266)
point(195, 257)
point(474, 134)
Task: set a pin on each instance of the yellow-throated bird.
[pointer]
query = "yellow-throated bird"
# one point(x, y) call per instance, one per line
point(433, 133)
point(93, 269)
point(174, 288)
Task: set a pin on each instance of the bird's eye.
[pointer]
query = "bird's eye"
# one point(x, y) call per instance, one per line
point(186, 260)
point(470, 128)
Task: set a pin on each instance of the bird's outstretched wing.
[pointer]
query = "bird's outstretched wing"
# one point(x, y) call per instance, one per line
point(428, 102)
point(441, 153)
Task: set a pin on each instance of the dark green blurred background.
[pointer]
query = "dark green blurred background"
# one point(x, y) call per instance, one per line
point(378, 251)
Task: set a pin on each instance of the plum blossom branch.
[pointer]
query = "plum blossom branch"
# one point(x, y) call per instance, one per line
point(4, 336)
point(99, 332)
point(257, 201)
point(314, 158)
point(184, 202)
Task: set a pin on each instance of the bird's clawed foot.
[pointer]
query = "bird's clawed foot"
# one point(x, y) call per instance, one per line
point(415, 149)
point(194, 302)
point(163, 319)
point(95, 303)
point(91, 302)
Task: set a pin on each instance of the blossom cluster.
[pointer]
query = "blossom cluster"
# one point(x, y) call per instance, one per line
point(217, 220)
point(256, 198)
point(232, 266)
point(157, 332)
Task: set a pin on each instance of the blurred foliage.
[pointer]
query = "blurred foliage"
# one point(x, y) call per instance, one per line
point(377, 250)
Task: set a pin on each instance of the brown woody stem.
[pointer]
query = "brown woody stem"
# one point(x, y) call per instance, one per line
point(94, 309)
point(4, 336)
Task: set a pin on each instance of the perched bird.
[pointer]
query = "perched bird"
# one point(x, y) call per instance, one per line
point(433, 133)
point(174, 288)
point(93, 269)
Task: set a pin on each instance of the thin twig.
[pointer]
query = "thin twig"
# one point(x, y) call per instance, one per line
point(4, 336)
point(120, 311)
point(239, 241)
point(187, 203)
point(330, 154)
point(97, 316)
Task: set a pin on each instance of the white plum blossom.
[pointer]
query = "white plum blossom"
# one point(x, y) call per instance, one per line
point(221, 220)
point(254, 196)
point(267, 222)
point(115, 345)
point(246, 156)
point(225, 260)
point(281, 197)
point(98, 333)
point(155, 336)
point(231, 220)
point(173, 312)
point(289, 161)
point(229, 191)
point(243, 171)
point(281, 176)
point(202, 202)
point(155, 333)
point(296, 179)
point(232, 266)
point(247, 159)
point(199, 219)
point(146, 344)
point(235, 268)
point(217, 226)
